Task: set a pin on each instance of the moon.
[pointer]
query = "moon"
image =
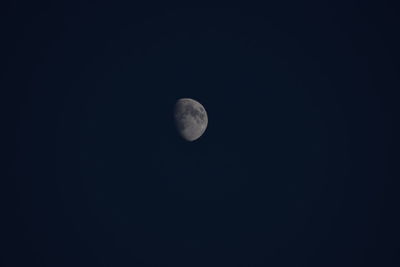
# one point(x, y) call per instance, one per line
point(190, 118)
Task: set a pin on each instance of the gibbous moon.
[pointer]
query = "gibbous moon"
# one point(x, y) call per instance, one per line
point(190, 118)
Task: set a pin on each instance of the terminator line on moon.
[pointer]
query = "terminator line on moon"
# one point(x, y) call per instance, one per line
point(190, 118)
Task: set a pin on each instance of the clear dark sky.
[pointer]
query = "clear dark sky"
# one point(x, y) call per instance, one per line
point(296, 168)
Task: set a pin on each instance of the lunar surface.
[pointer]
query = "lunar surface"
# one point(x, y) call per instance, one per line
point(190, 118)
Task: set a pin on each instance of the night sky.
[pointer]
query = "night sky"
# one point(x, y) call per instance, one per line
point(296, 168)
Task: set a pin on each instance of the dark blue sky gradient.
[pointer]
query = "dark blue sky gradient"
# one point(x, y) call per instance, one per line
point(296, 168)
